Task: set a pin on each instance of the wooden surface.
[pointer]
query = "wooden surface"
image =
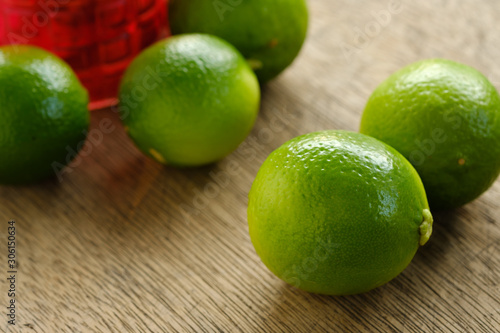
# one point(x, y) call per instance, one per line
point(126, 245)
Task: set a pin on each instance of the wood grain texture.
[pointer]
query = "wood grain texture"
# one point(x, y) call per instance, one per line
point(126, 245)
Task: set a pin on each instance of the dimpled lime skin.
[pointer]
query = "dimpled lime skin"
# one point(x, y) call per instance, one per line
point(189, 100)
point(336, 212)
point(269, 33)
point(444, 117)
point(43, 110)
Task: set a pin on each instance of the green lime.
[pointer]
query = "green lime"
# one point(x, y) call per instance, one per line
point(43, 113)
point(269, 33)
point(444, 117)
point(337, 213)
point(189, 100)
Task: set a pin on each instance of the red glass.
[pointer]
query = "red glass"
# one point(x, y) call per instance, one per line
point(98, 38)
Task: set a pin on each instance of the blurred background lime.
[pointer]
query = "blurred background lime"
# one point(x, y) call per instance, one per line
point(337, 213)
point(43, 113)
point(444, 117)
point(189, 100)
point(269, 33)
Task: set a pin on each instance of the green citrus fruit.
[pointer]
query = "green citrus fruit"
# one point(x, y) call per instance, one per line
point(43, 114)
point(337, 213)
point(269, 33)
point(444, 117)
point(189, 100)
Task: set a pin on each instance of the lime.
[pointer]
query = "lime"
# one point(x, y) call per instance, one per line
point(43, 113)
point(337, 213)
point(189, 100)
point(444, 117)
point(269, 33)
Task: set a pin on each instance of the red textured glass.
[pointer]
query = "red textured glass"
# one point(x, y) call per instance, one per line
point(98, 38)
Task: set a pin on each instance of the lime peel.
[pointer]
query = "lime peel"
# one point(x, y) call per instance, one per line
point(436, 101)
point(269, 32)
point(293, 200)
point(196, 128)
point(43, 91)
point(426, 227)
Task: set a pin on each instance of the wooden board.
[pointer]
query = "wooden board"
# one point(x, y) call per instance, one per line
point(123, 244)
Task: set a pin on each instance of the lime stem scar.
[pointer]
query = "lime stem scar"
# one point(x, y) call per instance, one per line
point(426, 226)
